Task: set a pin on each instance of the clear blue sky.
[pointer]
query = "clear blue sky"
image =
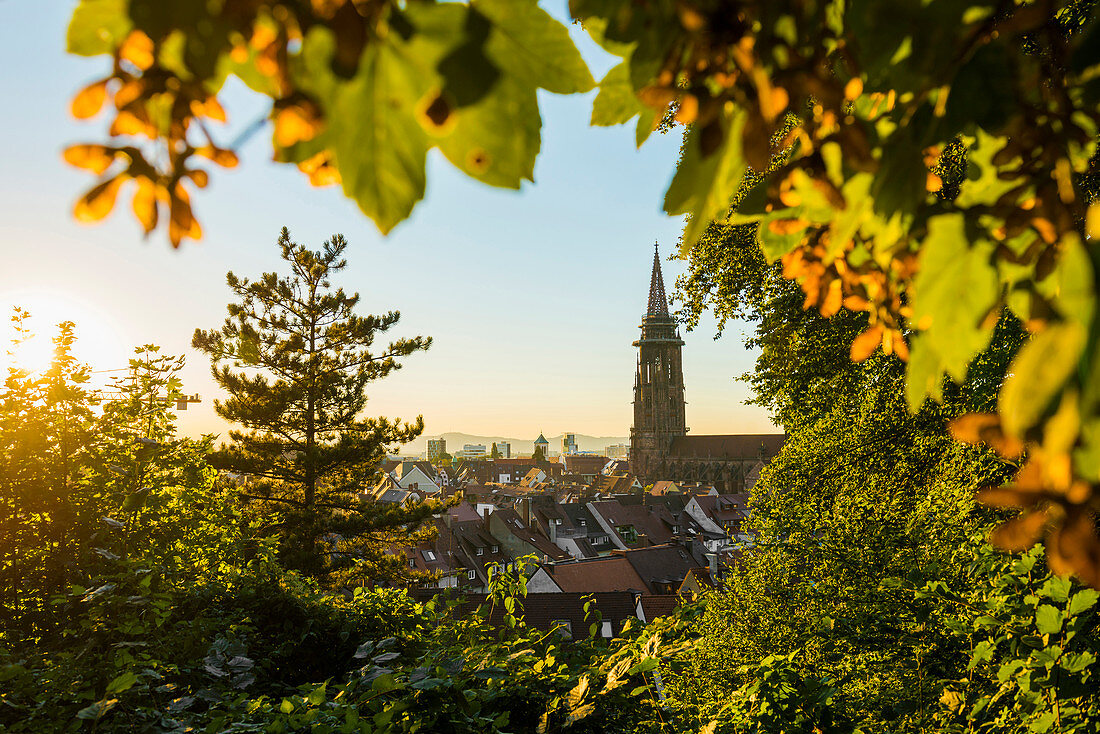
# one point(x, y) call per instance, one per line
point(533, 297)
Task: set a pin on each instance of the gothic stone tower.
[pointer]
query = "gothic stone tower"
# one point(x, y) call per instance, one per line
point(658, 384)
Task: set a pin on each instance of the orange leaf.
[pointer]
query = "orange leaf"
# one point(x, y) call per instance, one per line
point(128, 122)
point(199, 176)
point(1009, 497)
point(986, 428)
point(833, 297)
point(221, 156)
point(1019, 533)
point(145, 204)
point(182, 222)
point(689, 109)
point(99, 201)
point(210, 107)
point(853, 88)
point(89, 100)
point(137, 49)
point(866, 343)
point(901, 347)
point(787, 226)
point(657, 97)
point(95, 158)
point(773, 102)
point(291, 127)
point(1074, 547)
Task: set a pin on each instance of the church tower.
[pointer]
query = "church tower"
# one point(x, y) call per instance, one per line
point(658, 384)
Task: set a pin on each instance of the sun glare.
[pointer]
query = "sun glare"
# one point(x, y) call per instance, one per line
point(98, 342)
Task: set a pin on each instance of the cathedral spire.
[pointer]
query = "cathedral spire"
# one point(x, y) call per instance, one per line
point(658, 303)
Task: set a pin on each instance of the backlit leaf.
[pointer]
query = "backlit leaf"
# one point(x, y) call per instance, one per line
point(1037, 375)
point(95, 158)
point(98, 27)
point(704, 183)
point(89, 100)
point(99, 201)
point(527, 43)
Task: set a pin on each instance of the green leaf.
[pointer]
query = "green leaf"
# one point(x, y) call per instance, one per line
point(1076, 662)
point(378, 146)
point(316, 697)
point(1037, 374)
point(954, 292)
point(1083, 600)
point(497, 139)
point(1048, 620)
point(705, 184)
point(616, 101)
point(643, 667)
point(98, 27)
point(529, 45)
point(122, 683)
point(1056, 588)
point(982, 185)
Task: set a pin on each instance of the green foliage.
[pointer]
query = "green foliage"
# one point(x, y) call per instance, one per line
point(1032, 645)
point(296, 359)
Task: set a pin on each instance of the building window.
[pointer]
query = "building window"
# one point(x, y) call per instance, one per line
point(563, 628)
point(471, 574)
point(480, 551)
point(606, 631)
point(496, 549)
point(412, 561)
point(428, 555)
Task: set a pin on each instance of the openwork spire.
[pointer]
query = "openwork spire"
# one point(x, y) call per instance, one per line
point(658, 303)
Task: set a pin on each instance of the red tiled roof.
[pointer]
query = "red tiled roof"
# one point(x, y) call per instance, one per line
point(645, 522)
point(655, 606)
point(744, 446)
point(608, 573)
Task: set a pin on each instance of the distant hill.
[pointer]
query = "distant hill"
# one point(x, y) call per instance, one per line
point(455, 442)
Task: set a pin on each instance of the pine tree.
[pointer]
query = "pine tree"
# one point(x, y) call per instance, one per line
point(296, 359)
point(495, 452)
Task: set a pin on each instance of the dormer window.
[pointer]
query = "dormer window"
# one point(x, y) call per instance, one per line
point(496, 549)
point(471, 574)
point(480, 551)
point(428, 555)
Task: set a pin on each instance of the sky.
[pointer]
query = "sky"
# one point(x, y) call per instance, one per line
point(532, 297)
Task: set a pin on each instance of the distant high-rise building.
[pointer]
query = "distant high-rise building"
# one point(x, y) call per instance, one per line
point(504, 449)
point(569, 444)
point(472, 451)
point(436, 448)
point(617, 451)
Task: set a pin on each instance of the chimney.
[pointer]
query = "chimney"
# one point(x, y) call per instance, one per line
point(485, 514)
point(712, 558)
point(552, 527)
point(447, 519)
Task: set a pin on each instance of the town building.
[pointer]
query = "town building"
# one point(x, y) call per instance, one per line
point(436, 448)
point(472, 451)
point(569, 444)
point(617, 451)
